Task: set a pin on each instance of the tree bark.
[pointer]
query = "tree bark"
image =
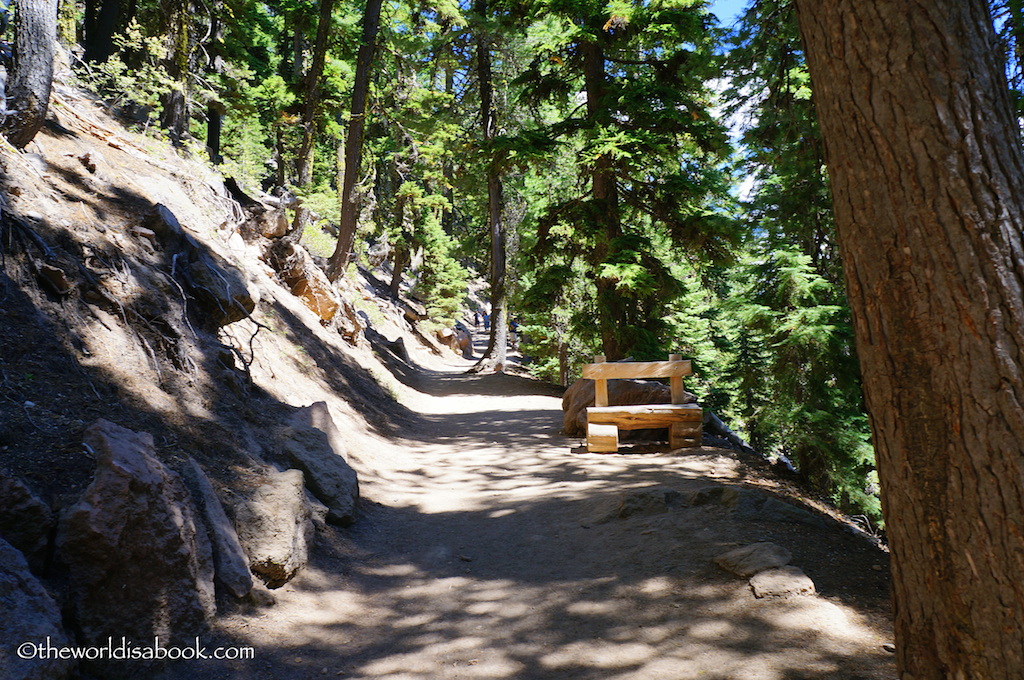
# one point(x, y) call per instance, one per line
point(175, 115)
point(928, 178)
point(496, 354)
point(349, 220)
point(304, 164)
point(28, 91)
point(605, 194)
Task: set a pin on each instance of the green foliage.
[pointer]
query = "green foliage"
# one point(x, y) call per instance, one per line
point(133, 74)
point(794, 373)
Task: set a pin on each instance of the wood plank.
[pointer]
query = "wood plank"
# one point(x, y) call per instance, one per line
point(637, 369)
point(602, 438)
point(643, 416)
point(676, 382)
point(600, 386)
point(681, 436)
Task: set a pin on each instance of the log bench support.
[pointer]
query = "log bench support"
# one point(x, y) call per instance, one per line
point(684, 421)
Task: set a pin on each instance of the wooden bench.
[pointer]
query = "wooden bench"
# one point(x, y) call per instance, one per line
point(684, 421)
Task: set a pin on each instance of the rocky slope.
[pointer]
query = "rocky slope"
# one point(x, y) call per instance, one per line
point(163, 357)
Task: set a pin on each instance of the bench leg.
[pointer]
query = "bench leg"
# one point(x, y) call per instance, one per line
point(685, 435)
point(602, 438)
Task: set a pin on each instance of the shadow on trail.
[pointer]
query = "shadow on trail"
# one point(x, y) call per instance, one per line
point(538, 591)
point(508, 558)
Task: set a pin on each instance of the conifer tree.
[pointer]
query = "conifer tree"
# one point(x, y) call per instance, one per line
point(647, 147)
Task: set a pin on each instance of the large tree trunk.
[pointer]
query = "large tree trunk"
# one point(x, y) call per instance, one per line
point(611, 312)
point(354, 142)
point(495, 356)
point(28, 89)
point(928, 178)
point(102, 19)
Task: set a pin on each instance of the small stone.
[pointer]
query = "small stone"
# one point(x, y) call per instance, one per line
point(29, 404)
point(889, 647)
point(781, 582)
point(753, 558)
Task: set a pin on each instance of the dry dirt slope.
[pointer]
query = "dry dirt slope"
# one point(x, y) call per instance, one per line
point(486, 547)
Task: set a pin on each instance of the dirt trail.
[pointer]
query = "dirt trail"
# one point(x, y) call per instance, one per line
point(485, 556)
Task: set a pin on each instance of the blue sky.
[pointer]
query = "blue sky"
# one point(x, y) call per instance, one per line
point(728, 10)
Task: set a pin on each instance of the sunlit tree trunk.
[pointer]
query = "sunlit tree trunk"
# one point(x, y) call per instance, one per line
point(304, 164)
point(495, 356)
point(349, 220)
point(928, 178)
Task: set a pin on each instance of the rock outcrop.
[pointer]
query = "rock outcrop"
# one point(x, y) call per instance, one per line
point(219, 289)
point(313, 444)
point(25, 520)
point(138, 556)
point(231, 564)
point(754, 558)
point(275, 528)
point(307, 281)
point(781, 582)
point(30, 617)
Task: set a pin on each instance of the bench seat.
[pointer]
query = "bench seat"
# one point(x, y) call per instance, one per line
point(684, 421)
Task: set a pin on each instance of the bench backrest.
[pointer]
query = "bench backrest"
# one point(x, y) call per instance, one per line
point(601, 372)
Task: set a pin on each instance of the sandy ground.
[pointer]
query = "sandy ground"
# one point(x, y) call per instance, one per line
point(484, 556)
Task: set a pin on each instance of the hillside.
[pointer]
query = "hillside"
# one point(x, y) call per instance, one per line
point(137, 290)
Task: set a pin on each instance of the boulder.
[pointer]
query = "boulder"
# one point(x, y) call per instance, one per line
point(220, 290)
point(30, 617)
point(275, 528)
point(781, 582)
point(307, 281)
point(580, 396)
point(271, 223)
point(314, 444)
point(138, 557)
point(754, 558)
point(25, 521)
point(231, 565)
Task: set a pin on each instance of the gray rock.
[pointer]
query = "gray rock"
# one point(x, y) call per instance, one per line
point(781, 582)
point(274, 527)
point(231, 565)
point(25, 521)
point(753, 558)
point(29, 616)
point(746, 502)
point(314, 444)
point(138, 557)
point(643, 502)
point(220, 290)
